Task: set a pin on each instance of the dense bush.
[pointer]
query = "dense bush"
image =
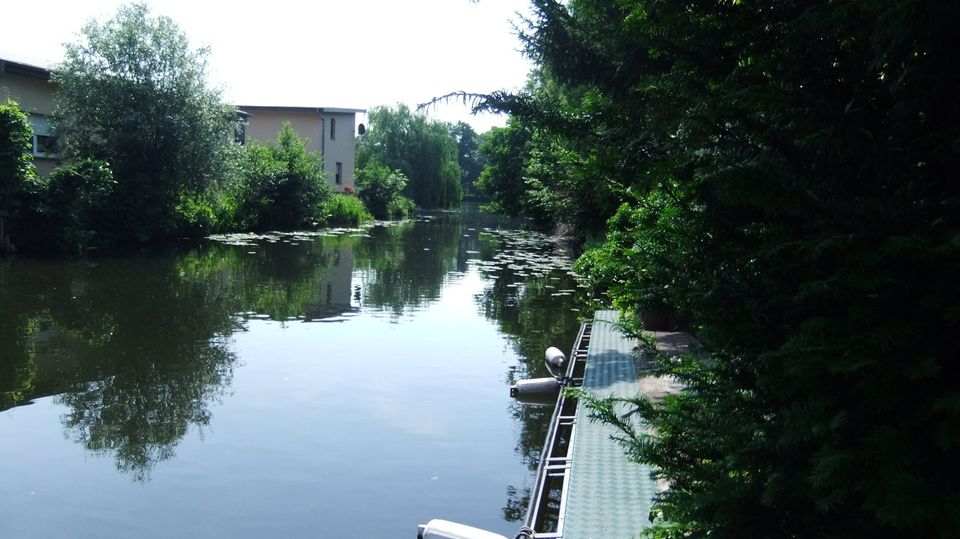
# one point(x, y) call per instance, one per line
point(345, 210)
point(132, 92)
point(74, 204)
point(16, 167)
point(282, 185)
point(784, 172)
point(381, 190)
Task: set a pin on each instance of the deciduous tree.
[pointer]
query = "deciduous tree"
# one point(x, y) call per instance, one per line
point(468, 155)
point(133, 93)
point(381, 190)
point(422, 149)
point(284, 185)
point(16, 164)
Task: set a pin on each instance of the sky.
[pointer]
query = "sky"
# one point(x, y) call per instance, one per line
point(320, 53)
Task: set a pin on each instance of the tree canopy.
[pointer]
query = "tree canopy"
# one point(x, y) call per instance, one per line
point(468, 155)
point(16, 164)
point(423, 150)
point(784, 175)
point(134, 94)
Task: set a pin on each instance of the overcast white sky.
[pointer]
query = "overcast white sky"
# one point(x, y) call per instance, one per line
point(346, 53)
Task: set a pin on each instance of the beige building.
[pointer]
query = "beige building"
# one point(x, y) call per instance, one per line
point(31, 88)
point(330, 131)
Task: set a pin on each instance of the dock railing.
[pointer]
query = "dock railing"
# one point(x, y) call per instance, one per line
point(548, 497)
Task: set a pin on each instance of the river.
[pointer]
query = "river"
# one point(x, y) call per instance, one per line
point(339, 383)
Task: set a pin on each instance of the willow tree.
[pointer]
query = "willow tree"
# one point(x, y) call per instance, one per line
point(423, 150)
point(133, 93)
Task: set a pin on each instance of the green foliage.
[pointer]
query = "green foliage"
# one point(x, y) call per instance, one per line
point(74, 204)
point(201, 213)
point(132, 93)
point(18, 370)
point(468, 156)
point(130, 384)
point(422, 149)
point(346, 210)
point(282, 186)
point(784, 175)
point(401, 207)
point(505, 149)
point(640, 263)
point(540, 168)
point(381, 191)
point(16, 165)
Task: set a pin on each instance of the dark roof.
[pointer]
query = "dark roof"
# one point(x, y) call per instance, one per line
point(25, 70)
point(320, 110)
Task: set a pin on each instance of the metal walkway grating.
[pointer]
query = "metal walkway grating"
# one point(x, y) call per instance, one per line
point(609, 496)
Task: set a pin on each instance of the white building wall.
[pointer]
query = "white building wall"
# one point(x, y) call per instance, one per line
point(336, 146)
point(340, 148)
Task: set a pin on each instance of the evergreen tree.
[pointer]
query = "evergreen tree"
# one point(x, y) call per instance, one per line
point(786, 177)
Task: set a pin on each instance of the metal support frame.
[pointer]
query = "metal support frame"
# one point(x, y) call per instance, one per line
point(545, 513)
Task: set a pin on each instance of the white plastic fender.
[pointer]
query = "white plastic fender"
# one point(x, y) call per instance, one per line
point(555, 358)
point(444, 529)
point(536, 390)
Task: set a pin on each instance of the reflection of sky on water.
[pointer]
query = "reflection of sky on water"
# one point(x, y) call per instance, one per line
point(390, 407)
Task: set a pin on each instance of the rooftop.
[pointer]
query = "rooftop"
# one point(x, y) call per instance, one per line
point(321, 110)
point(24, 69)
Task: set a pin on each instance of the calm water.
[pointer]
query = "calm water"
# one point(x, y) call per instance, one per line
point(345, 384)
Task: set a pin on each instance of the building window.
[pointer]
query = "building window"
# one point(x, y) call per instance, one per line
point(45, 143)
point(339, 177)
point(333, 130)
point(240, 121)
point(241, 133)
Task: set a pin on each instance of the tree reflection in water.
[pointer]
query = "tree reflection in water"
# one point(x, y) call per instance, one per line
point(534, 311)
point(404, 267)
point(138, 349)
point(139, 414)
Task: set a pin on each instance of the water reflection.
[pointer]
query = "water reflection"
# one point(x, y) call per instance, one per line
point(276, 276)
point(134, 349)
point(530, 304)
point(139, 350)
point(404, 267)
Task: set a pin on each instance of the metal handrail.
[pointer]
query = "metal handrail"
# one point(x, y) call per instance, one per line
point(555, 459)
